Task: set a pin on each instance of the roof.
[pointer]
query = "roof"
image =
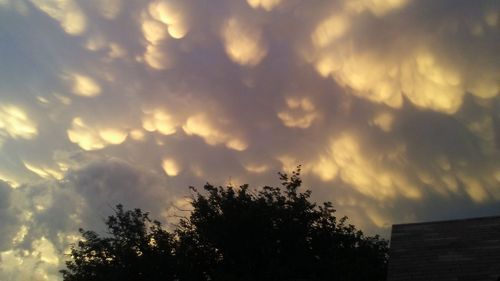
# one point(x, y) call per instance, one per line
point(456, 250)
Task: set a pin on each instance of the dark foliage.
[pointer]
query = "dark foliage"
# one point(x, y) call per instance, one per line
point(274, 233)
point(136, 249)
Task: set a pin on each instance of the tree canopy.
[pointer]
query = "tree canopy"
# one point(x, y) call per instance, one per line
point(271, 233)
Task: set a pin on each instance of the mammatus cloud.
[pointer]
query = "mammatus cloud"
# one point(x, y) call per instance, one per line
point(90, 138)
point(85, 86)
point(15, 123)
point(415, 68)
point(160, 121)
point(391, 106)
point(243, 42)
point(210, 130)
point(67, 13)
point(378, 8)
point(171, 167)
point(172, 15)
point(267, 5)
point(346, 160)
point(300, 113)
point(162, 21)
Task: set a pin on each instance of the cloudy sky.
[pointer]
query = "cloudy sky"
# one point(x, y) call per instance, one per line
point(391, 107)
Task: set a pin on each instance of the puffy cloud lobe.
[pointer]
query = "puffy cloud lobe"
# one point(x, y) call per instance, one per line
point(157, 58)
point(201, 125)
point(171, 14)
point(137, 135)
point(330, 30)
point(89, 138)
point(116, 51)
point(347, 160)
point(85, 86)
point(67, 12)
point(16, 123)
point(243, 43)
point(113, 136)
point(84, 136)
point(257, 168)
point(171, 167)
point(160, 121)
point(384, 120)
point(154, 31)
point(45, 172)
point(300, 113)
point(428, 78)
point(267, 5)
point(377, 7)
point(425, 77)
point(162, 19)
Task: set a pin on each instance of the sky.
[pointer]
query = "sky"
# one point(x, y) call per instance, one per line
point(391, 107)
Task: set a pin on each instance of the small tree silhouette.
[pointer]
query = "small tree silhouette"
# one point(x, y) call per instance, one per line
point(136, 249)
point(274, 233)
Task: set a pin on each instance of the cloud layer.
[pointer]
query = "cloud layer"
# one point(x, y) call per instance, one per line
point(391, 106)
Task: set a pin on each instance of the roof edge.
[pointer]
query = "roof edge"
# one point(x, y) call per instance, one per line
point(448, 221)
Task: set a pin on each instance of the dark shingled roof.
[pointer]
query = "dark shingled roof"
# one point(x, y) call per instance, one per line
point(458, 250)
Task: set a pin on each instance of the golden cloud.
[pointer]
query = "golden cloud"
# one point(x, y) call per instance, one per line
point(201, 125)
point(347, 160)
point(172, 16)
point(171, 167)
point(384, 120)
point(243, 43)
point(137, 134)
point(90, 138)
point(300, 113)
point(377, 7)
point(44, 172)
point(267, 5)
point(257, 168)
point(330, 30)
point(16, 123)
point(154, 31)
point(85, 86)
point(156, 58)
point(159, 121)
point(67, 12)
point(424, 75)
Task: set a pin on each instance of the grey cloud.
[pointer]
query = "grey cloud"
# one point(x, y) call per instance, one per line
point(8, 219)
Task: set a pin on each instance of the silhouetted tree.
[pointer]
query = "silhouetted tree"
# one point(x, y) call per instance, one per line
point(275, 233)
point(136, 248)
